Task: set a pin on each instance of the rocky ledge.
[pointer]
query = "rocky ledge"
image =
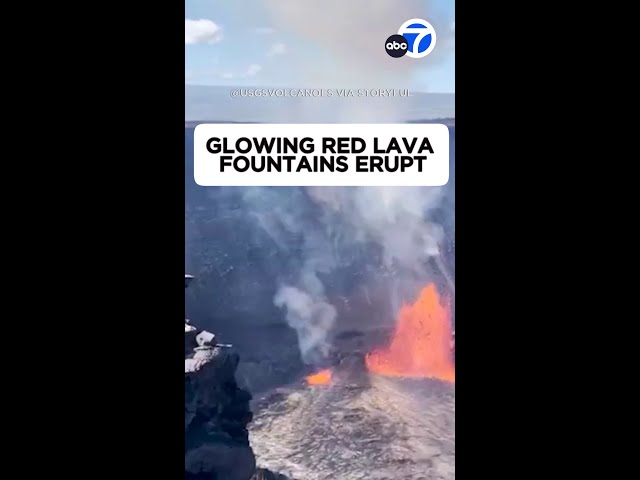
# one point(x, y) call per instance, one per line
point(216, 413)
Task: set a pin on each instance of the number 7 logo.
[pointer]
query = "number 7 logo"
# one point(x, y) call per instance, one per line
point(420, 35)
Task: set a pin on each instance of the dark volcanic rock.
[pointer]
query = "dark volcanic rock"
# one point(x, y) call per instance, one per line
point(216, 417)
point(216, 413)
point(190, 342)
point(263, 474)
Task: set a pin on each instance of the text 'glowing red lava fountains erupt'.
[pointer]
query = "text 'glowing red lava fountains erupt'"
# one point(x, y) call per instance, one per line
point(421, 343)
point(322, 377)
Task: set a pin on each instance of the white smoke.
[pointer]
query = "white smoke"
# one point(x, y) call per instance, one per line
point(282, 216)
point(344, 48)
point(310, 222)
point(392, 217)
point(397, 220)
point(311, 316)
point(347, 38)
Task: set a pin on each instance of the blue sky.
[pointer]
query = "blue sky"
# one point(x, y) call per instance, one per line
point(264, 42)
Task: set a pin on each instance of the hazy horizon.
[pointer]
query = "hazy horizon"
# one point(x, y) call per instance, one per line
point(215, 102)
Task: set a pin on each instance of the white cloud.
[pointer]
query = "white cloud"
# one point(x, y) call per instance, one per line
point(277, 49)
point(264, 31)
point(253, 70)
point(201, 31)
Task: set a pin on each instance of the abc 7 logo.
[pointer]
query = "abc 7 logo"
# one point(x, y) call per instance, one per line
point(416, 38)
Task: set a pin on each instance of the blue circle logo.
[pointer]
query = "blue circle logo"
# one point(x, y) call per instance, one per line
point(420, 35)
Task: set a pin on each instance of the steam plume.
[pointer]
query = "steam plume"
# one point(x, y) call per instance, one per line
point(350, 37)
point(316, 224)
point(347, 38)
point(312, 317)
point(344, 48)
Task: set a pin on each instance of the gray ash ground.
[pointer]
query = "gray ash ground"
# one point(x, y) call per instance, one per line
point(361, 426)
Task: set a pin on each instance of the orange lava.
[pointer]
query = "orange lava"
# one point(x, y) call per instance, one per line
point(320, 378)
point(421, 343)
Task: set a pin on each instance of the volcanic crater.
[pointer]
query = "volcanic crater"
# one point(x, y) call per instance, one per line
point(355, 418)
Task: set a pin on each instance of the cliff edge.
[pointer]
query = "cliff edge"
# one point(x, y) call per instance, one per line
point(216, 413)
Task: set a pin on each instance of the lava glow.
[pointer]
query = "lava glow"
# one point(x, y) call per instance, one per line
point(320, 378)
point(421, 343)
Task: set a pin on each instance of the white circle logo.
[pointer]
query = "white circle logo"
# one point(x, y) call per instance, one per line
point(420, 35)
